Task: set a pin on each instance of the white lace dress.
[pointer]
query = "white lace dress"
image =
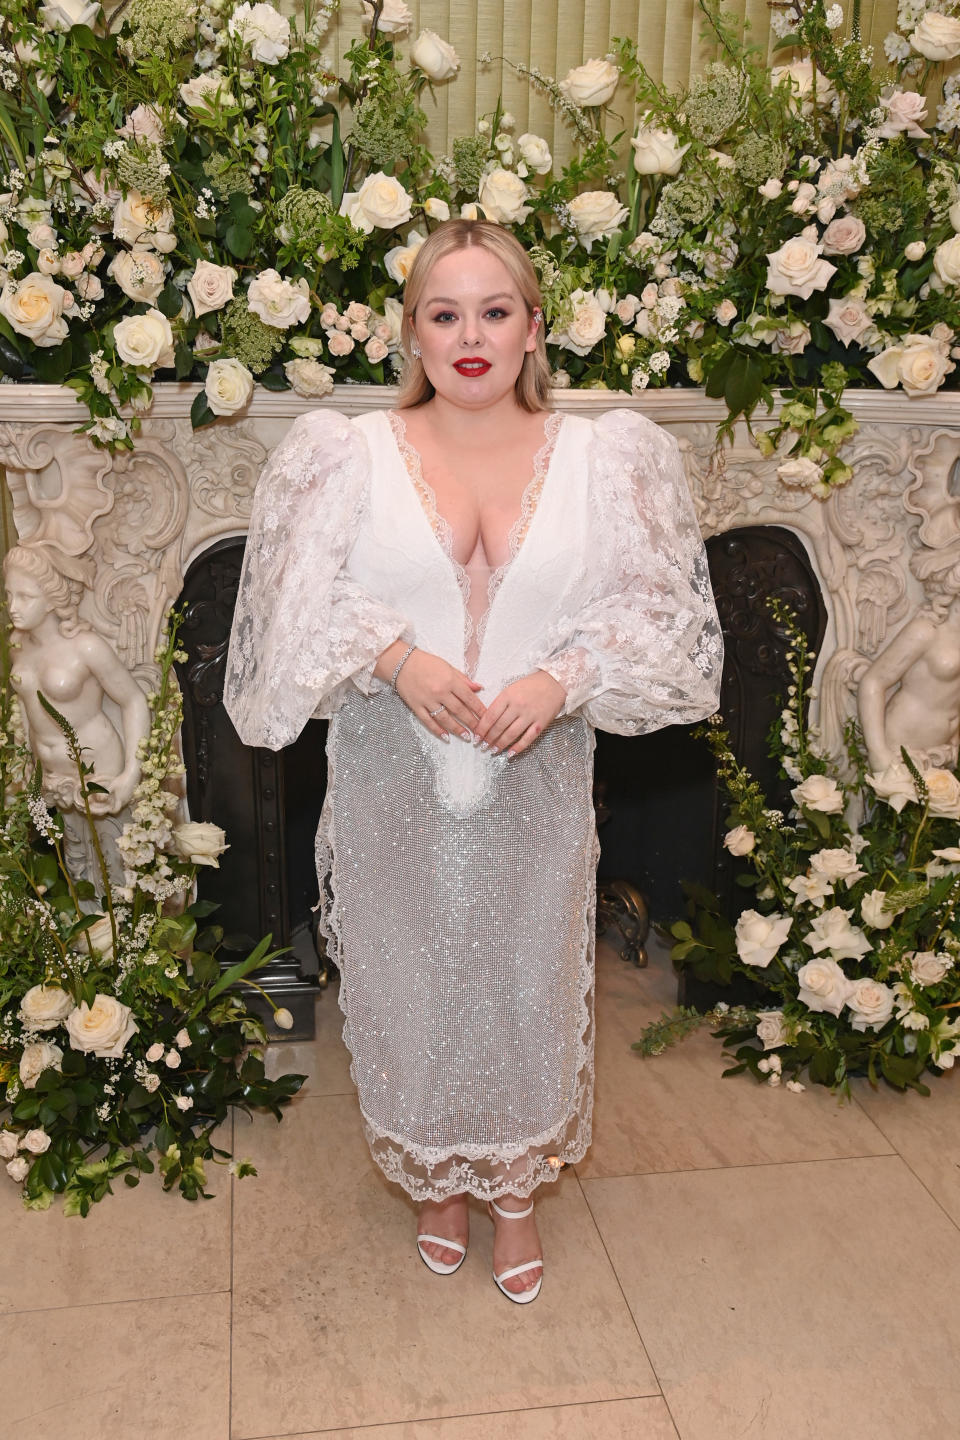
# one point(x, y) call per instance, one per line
point(457, 887)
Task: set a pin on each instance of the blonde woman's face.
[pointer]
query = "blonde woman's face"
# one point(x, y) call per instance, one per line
point(473, 328)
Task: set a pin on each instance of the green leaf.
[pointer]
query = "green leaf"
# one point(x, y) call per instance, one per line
point(743, 384)
point(200, 412)
point(183, 361)
point(205, 967)
point(716, 377)
point(254, 960)
point(53, 366)
point(169, 302)
point(270, 380)
point(239, 241)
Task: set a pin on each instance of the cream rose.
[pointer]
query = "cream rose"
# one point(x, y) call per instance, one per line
point(937, 37)
point(873, 911)
point(801, 76)
point(139, 273)
point(436, 208)
point(206, 91)
point(44, 1007)
point(844, 236)
point(375, 350)
point(210, 286)
point(870, 1004)
point(905, 110)
point(101, 938)
point(596, 214)
point(309, 378)
point(586, 327)
point(395, 17)
point(802, 473)
point(792, 339)
point(339, 344)
point(145, 341)
point(264, 31)
point(143, 123)
point(656, 152)
point(435, 57)
point(849, 319)
point(64, 14)
point(918, 363)
point(759, 937)
point(102, 1028)
point(832, 931)
point(798, 269)
point(36, 1141)
point(154, 1053)
point(137, 220)
point(739, 840)
point(19, 1168)
point(228, 388)
point(895, 784)
point(822, 986)
point(725, 312)
point(928, 967)
point(819, 792)
point(34, 307)
point(593, 83)
point(398, 260)
point(943, 793)
point(89, 288)
point(834, 865)
point(501, 197)
point(380, 203)
point(9, 1144)
point(48, 261)
point(39, 1056)
point(946, 263)
point(771, 1029)
point(278, 302)
point(197, 840)
point(535, 152)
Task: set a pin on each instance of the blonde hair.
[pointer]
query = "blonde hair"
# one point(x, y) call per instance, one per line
point(532, 388)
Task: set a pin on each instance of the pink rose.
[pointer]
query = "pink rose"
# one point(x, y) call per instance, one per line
point(905, 109)
point(844, 236)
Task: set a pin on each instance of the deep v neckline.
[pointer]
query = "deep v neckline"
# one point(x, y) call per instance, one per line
point(443, 531)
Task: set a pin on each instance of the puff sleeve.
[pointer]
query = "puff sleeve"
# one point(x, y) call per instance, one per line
point(644, 649)
point(303, 630)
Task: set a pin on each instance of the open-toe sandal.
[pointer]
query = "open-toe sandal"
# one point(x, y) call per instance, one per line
point(521, 1297)
point(437, 1266)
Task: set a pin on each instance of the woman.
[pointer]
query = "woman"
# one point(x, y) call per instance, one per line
point(467, 585)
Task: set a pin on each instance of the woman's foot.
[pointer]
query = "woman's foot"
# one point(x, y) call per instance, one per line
point(448, 1220)
point(515, 1242)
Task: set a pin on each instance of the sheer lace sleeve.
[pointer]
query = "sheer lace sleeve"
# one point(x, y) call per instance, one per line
point(645, 650)
point(303, 631)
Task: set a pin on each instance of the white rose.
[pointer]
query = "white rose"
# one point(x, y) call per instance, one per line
point(64, 14)
point(937, 37)
point(143, 123)
point(34, 307)
point(801, 76)
point(182, 1039)
point(810, 889)
point(36, 1141)
point(89, 288)
point(44, 1007)
point(803, 473)
point(139, 273)
point(398, 260)
point(535, 152)
point(759, 937)
point(102, 1028)
point(154, 1052)
point(656, 152)
point(309, 378)
point(739, 840)
point(137, 220)
point(596, 214)
point(915, 250)
point(844, 236)
point(819, 792)
point(591, 84)
point(469, 212)
point(895, 784)
point(278, 302)
point(228, 388)
point(725, 312)
point(822, 986)
point(394, 17)
point(437, 59)
point(28, 54)
point(172, 1060)
point(771, 189)
point(145, 341)
point(19, 1168)
point(101, 938)
point(870, 1004)
point(37, 1057)
point(199, 842)
point(381, 202)
point(263, 30)
point(183, 1102)
point(501, 197)
point(587, 326)
point(206, 91)
point(436, 208)
point(849, 319)
point(918, 362)
point(943, 793)
point(836, 865)
point(339, 344)
point(832, 931)
point(375, 350)
point(210, 286)
point(928, 968)
point(48, 261)
point(905, 110)
point(9, 1144)
point(798, 269)
point(946, 262)
point(771, 1029)
point(873, 911)
point(793, 339)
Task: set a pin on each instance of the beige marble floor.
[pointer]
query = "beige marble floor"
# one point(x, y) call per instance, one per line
point(729, 1261)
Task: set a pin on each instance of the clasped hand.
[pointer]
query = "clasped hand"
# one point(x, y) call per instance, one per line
point(445, 701)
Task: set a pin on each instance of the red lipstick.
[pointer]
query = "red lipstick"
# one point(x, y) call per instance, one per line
point(472, 365)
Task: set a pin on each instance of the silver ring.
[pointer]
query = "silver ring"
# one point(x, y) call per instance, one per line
point(432, 713)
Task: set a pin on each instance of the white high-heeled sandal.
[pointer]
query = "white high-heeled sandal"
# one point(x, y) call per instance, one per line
point(519, 1297)
point(437, 1266)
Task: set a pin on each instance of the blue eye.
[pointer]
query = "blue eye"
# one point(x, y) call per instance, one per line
point(496, 312)
point(442, 316)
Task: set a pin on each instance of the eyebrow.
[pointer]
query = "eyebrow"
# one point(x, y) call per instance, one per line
point(445, 299)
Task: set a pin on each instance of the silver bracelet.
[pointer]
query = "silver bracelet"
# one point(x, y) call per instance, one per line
point(403, 660)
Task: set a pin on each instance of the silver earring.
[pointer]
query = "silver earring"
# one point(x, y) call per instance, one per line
point(415, 350)
point(537, 316)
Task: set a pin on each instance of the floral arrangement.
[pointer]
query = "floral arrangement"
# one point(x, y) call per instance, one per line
point(853, 943)
point(120, 1035)
point(192, 192)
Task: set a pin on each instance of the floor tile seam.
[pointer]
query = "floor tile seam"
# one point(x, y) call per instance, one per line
point(919, 1178)
point(892, 1154)
point(463, 1415)
point(99, 1304)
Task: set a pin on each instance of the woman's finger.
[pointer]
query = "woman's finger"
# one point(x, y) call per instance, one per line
point(511, 729)
point(525, 741)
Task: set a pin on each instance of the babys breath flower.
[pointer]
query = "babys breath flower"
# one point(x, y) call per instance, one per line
point(834, 17)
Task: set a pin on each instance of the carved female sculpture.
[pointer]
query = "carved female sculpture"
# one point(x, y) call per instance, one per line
point(76, 670)
point(923, 662)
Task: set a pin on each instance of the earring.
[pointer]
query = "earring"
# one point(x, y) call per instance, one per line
point(415, 350)
point(537, 316)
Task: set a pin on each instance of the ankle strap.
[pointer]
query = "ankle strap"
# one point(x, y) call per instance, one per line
point(513, 1214)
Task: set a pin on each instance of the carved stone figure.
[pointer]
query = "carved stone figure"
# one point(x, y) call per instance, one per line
point(57, 654)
